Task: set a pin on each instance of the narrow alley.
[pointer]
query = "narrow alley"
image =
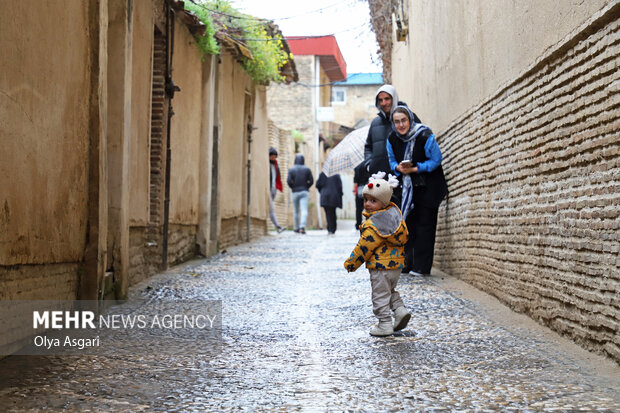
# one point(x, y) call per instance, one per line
point(295, 338)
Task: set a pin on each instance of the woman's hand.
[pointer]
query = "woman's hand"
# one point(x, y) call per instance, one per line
point(407, 169)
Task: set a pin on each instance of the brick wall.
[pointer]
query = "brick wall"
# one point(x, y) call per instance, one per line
point(283, 142)
point(181, 243)
point(39, 282)
point(290, 106)
point(144, 254)
point(534, 179)
point(31, 282)
point(234, 230)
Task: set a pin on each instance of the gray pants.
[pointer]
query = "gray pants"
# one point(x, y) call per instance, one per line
point(272, 212)
point(384, 295)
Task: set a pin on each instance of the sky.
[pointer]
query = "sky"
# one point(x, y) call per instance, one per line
point(348, 20)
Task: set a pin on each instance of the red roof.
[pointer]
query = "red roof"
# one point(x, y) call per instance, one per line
point(326, 47)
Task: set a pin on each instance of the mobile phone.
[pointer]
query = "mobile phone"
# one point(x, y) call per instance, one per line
point(406, 162)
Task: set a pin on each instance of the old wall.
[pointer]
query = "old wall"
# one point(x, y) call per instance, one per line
point(45, 114)
point(237, 91)
point(142, 62)
point(185, 135)
point(233, 151)
point(534, 180)
point(185, 129)
point(283, 142)
point(44, 141)
point(472, 47)
point(290, 106)
point(359, 105)
point(144, 252)
point(259, 202)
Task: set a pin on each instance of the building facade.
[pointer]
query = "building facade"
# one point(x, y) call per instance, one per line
point(523, 99)
point(129, 152)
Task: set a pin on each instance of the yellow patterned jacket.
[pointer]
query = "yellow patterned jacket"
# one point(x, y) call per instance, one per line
point(382, 242)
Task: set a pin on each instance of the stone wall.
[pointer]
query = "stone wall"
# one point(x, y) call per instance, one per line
point(40, 282)
point(234, 230)
point(290, 106)
point(534, 180)
point(282, 141)
point(144, 255)
point(181, 243)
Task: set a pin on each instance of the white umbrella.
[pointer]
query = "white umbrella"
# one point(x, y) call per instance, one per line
point(347, 154)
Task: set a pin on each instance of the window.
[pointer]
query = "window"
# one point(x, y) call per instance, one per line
point(339, 96)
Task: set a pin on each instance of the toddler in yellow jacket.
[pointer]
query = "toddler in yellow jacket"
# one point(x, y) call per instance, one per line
point(381, 247)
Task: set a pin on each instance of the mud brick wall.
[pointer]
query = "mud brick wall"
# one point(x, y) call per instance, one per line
point(290, 106)
point(39, 282)
point(234, 230)
point(181, 243)
point(144, 254)
point(534, 179)
point(283, 142)
point(33, 282)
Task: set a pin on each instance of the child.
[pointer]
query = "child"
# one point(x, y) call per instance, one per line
point(381, 246)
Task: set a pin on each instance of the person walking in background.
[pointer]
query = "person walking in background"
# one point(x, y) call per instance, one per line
point(375, 152)
point(275, 185)
point(300, 180)
point(331, 198)
point(381, 243)
point(415, 156)
point(360, 179)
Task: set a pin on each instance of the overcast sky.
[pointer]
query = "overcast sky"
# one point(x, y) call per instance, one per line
point(348, 20)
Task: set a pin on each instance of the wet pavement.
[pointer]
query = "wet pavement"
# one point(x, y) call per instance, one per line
point(295, 338)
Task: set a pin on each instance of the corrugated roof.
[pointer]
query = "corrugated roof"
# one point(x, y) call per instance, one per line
point(361, 79)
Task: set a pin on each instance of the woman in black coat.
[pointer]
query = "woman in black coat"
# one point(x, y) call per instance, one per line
point(416, 159)
point(331, 198)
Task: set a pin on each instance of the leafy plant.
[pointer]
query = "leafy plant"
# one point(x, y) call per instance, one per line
point(267, 51)
point(297, 135)
point(207, 43)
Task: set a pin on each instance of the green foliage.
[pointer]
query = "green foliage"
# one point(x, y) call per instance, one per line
point(267, 51)
point(297, 135)
point(207, 43)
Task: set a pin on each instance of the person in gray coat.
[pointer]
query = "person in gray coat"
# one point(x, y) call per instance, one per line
point(331, 198)
point(300, 180)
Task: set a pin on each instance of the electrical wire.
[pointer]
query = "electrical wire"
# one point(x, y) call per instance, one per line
point(260, 19)
point(315, 11)
point(302, 37)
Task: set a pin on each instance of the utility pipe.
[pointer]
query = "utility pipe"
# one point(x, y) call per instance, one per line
point(317, 100)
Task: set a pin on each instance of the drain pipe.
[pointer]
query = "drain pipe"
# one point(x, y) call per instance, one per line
point(249, 168)
point(170, 88)
point(317, 98)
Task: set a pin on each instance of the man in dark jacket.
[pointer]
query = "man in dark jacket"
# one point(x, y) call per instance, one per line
point(375, 153)
point(331, 198)
point(300, 180)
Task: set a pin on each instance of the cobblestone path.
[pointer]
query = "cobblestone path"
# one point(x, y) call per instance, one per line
point(295, 338)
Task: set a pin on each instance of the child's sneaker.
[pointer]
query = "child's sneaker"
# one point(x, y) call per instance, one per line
point(401, 318)
point(382, 329)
